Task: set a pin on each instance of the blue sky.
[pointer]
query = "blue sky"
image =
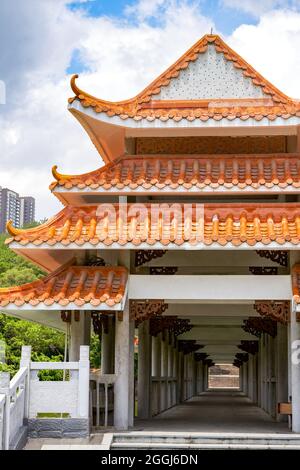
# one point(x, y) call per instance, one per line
point(118, 47)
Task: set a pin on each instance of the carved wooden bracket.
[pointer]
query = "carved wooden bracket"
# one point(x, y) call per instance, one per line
point(263, 270)
point(96, 261)
point(144, 256)
point(256, 326)
point(66, 315)
point(188, 345)
point(237, 363)
point(141, 310)
point(180, 326)
point(100, 320)
point(276, 310)
point(242, 357)
point(250, 347)
point(159, 270)
point(200, 356)
point(280, 257)
point(208, 362)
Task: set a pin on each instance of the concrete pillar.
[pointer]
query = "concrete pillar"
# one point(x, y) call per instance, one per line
point(108, 346)
point(281, 368)
point(180, 388)
point(245, 378)
point(259, 374)
point(164, 371)
point(144, 371)
point(205, 377)
point(255, 379)
point(170, 370)
point(200, 377)
point(294, 351)
point(241, 377)
point(124, 370)
point(77, 335)
point(177, 374)
point(250, 377)
point(156, 369)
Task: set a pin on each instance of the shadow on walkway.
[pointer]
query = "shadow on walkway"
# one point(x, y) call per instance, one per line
point(214, 411)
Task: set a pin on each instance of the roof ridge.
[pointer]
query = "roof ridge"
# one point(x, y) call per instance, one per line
point(134, 104)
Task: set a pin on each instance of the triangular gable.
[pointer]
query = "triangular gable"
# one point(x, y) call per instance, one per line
point(209, 81)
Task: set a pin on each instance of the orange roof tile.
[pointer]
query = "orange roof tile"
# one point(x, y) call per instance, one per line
point(169, 172)
point(140, 225)
point(296, 283)
point(143, 106)
point(80, 285)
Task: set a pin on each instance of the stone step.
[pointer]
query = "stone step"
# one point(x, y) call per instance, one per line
point(201, 446)
point(157, 440)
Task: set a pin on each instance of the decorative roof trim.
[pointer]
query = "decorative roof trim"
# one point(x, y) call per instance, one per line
point(174, 173)
point(66, 286)
point(141, 106)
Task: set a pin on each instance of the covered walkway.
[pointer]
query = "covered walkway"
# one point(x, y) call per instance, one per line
point(214, 411)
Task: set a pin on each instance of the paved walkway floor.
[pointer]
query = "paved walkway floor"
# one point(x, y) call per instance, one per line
point(214, 411)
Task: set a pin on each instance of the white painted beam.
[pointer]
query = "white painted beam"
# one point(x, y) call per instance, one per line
point(207, 288)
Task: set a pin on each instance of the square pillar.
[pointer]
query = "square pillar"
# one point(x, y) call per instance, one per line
point(156, 371)
point(144, 371)
point(124, 370)
point(294, 351)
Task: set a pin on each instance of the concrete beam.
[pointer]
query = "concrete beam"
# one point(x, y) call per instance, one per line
point(207, 288)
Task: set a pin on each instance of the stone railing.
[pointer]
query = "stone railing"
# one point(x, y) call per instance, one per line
point(57, 408)
point(101, 396)
point(14, 408)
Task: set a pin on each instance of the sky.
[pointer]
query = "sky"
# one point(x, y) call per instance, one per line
point(117, 47)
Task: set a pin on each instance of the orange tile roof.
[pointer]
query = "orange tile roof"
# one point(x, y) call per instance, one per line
point(80, 285)
point(143, 106)
point(172, 172)
point(296, 283)
point(107, 225)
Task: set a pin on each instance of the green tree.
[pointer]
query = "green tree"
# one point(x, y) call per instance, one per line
point(47, 343)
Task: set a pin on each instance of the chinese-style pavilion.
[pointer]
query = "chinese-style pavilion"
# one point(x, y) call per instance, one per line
point(190, 232)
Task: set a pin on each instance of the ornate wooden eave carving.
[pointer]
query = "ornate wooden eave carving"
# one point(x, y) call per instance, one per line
point(95, 261)
point(141, 310)
point(66, 315)
point(144, 256)
point(163, 270)
point(256, 326)
point(180, 326)
point(276, 310)
point(159, 324)
point(242, 357)
point(200, 356)
point(208, 362)
point(237, 363)
point(100, 322)
point(278, 256)
point(250, 347)
point(263, 270)
point(188, 346)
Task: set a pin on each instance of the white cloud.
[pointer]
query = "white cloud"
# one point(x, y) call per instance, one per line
point(272, 47)
point(36, 130)
point(258, 7)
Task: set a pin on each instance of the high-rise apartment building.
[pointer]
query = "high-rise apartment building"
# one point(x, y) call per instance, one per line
point(21, 210)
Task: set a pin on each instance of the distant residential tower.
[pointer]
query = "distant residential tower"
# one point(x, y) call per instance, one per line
point(21, 210)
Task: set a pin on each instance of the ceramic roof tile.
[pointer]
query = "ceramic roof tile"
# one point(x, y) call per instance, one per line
point(185, 172)
point(166, 225)
point(143, 106)
point(296, 283)
point(80, 285)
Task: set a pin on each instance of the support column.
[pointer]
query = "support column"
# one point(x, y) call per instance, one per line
point(180, 377)
point(156, 370)
point(124, 370)
point(250, 377)
point(144, 371)
point(170, 370)
point(108, 346)
point(294, 351)
point(77, 335)
point(164, 370)
point(281, 366)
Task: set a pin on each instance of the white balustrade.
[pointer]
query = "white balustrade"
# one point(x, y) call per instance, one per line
point(69, 397)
